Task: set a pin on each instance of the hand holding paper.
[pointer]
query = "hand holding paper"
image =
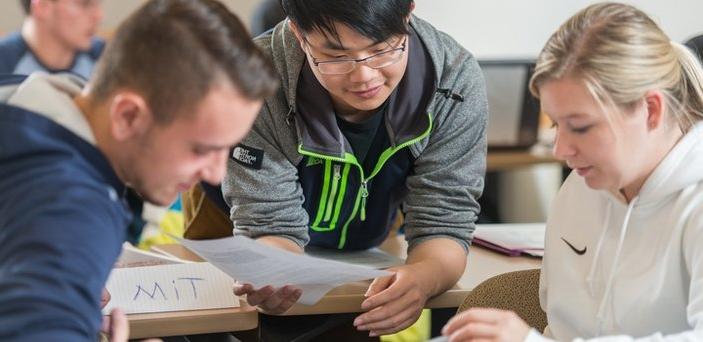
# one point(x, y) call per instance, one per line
point(272, 301)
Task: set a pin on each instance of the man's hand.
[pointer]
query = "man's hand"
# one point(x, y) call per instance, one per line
point(489, 325)
point(393, 302)
point(270, 300)
point(115, 327)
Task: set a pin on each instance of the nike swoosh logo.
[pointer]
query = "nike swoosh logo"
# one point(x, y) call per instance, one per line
point(576, 250)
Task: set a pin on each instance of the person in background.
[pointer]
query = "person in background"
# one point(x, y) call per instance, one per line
point(623, 258)
point(56, 36)
point(69, 152)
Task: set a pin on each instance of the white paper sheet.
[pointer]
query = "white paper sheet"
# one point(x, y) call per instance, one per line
point(374, 257)
point(165, 288)
point(251, 262)
point(134, 257)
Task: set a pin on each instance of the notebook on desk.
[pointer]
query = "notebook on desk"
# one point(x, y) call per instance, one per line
point(512, 239)
point(513, 113)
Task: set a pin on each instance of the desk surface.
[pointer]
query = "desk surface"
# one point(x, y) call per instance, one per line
point(511, 160)
point(482, 264)
point(178, 323)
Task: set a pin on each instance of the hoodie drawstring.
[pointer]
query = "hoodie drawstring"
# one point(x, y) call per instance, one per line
point(290, 115)
point(611, 278)
point(596, 256)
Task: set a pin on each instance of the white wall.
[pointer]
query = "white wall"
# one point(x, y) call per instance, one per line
point(488, 28)
point(11, 13)
point(519, 28)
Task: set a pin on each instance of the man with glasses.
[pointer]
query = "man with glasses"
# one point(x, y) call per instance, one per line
point(377, 111)
point(56, 36)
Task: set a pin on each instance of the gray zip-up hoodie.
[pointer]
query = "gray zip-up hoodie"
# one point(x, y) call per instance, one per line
point(445, 141)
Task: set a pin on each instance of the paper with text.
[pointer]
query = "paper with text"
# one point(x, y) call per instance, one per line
point(374, 257)
point(165, 288)
point(251, 262)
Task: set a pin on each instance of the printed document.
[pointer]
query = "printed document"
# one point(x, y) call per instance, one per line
point(248, 261)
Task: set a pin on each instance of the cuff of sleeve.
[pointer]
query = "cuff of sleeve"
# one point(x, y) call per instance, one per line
point(301, 242)
point(535, 336)
point(418, 240)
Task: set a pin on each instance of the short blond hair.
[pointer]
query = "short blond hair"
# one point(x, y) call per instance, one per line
point(621, 53)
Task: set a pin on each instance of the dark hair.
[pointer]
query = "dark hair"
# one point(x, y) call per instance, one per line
point(173, 51)
point(696, 45)
point(26, 5)
point(374, 19)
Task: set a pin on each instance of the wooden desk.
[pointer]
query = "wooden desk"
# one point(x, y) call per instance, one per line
point(511, 160)
point(482, 265)
point(176, 323)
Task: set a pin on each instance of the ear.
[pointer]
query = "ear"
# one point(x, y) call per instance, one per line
point(655, 106)
point(129, 115)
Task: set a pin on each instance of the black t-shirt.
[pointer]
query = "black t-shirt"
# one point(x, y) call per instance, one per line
point(361, 135)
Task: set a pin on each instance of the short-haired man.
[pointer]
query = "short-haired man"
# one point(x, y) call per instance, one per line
point(378, 110)
point(180, 83)
point(56, 36)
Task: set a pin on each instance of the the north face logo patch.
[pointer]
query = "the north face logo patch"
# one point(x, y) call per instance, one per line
point(248, 156)
point(312, 161)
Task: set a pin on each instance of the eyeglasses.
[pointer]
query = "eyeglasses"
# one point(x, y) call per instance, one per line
point(345, 66)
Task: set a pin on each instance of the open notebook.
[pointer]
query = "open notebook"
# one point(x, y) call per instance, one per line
point(512, 239)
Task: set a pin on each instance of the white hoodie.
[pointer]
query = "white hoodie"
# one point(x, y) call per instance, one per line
point(641, 276)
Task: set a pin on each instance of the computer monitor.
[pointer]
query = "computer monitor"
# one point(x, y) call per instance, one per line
point(513, 113)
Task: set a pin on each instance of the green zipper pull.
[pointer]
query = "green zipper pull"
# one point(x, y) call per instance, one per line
point(364, 195)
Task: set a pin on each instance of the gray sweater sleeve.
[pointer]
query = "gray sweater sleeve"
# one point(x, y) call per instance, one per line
point(449, 172)
point(269, 200)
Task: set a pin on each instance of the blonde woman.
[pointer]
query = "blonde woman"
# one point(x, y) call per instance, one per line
point(624, 244)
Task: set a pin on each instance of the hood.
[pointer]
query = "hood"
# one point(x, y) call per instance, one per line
point(52, 97)
point(41, 120)
point(682, 167)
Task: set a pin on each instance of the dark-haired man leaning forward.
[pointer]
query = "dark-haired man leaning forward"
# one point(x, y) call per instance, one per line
point(378, 110)
point(68, 152)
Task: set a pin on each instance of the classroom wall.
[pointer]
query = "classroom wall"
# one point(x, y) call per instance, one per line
point(488, 28)
point(11, 13)
point(519, 28)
